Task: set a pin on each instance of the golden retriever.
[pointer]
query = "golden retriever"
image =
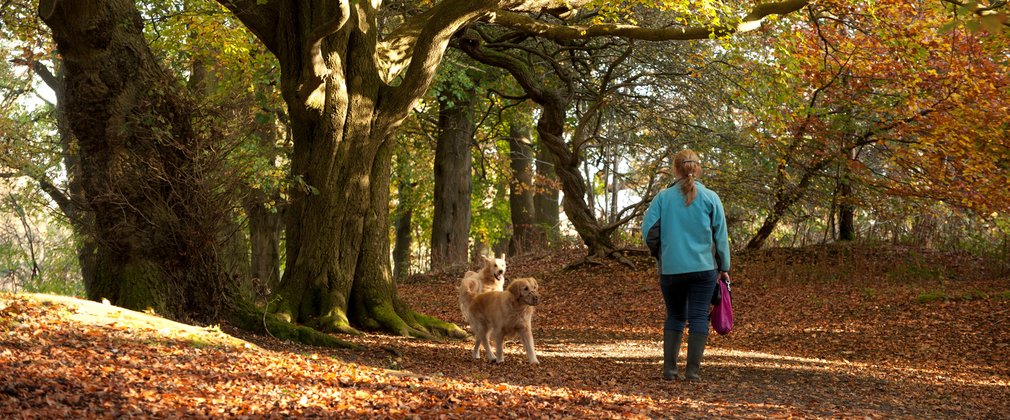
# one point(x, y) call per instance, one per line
point(500, 314)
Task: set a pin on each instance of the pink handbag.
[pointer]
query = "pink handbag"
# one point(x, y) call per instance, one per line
point(722, 312)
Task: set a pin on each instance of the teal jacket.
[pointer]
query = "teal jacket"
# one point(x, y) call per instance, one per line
point(687, 239)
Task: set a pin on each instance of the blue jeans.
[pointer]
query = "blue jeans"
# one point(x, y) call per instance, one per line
point(688, 297)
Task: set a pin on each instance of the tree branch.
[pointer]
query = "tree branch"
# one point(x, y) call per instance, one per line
point(62, 200)
point(47, 76)
point(261, 19)
point(315, 65)
point(556, 32)
point(418, 46)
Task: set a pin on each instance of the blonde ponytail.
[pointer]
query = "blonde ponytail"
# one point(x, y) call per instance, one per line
point(687, 167)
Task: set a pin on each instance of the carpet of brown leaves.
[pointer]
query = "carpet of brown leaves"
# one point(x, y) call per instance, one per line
point(834, 331)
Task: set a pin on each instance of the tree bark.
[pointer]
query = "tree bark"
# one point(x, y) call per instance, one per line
point(155, 217)
point(785, 197)
point(265, 228)
point(401, 247)
point(525, 235)
point(450, 226)
point(846, 206)
point(344, 108)
point(71, 202)
point(548, 212)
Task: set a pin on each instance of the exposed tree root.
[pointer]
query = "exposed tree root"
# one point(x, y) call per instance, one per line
point(594, 259)
point(400, 320)
point(249, 318)
point(442, 328)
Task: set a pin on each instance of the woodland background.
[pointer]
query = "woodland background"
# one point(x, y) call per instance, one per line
point(320, 170)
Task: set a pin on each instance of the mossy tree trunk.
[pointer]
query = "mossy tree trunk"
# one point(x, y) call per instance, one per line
point(155, 218)
point(345, 102)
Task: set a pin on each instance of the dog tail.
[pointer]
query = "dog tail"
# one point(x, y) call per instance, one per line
point(469, 287)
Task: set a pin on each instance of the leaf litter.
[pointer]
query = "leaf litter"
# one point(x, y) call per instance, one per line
point(828, 331)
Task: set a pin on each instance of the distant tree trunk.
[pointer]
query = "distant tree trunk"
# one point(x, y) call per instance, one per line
point(235, 242)
point(785, 197)
point(567, 162)
point(846, 206)
point(590, 180)
point(265, 210)
point(401, 248)
point(548, 212)
point(156, 220)
point(234, 252)
point(614, 187)
point(521, 193)
point(450, 226)
point(265, 227)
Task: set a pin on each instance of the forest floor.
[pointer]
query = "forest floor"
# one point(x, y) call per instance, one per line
point(825, 331)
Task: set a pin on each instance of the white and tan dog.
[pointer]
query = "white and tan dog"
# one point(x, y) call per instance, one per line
point(490, 277)
point(500, 314)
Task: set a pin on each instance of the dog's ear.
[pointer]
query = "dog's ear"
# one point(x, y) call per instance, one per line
point(515, 288)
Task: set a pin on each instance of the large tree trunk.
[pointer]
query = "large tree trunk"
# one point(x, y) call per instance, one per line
point(525, 235)
point(337, 276)
point(450, 225)
point(156, 220)
point(566, 163)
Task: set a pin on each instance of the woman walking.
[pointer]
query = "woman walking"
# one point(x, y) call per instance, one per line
point(685, 229)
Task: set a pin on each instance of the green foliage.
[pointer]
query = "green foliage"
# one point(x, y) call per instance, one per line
point(37, 254)
point(490, 200)
point(683, 13)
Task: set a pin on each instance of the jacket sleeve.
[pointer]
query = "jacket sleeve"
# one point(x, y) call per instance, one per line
point(720, 236)
point(651, 228)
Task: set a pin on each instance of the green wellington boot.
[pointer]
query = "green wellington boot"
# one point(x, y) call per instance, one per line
point(671, 349)
point(695, 351)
